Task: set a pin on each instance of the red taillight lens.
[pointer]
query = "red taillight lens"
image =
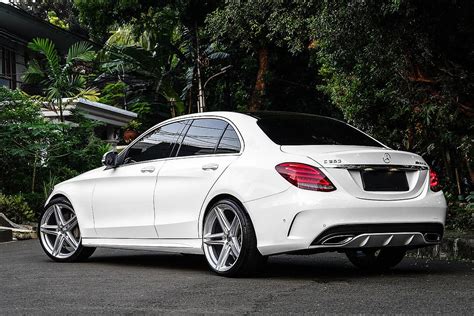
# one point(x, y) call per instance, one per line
point(305, 176)
point(434, 181)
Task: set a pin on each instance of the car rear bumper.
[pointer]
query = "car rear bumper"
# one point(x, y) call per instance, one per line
point(297, 220)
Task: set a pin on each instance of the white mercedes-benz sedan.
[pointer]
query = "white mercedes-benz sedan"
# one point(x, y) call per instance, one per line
point(241, 187)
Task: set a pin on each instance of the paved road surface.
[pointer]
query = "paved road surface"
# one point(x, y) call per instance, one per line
point(118, 281)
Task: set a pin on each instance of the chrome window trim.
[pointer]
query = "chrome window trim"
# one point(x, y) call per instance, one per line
point(159, 125)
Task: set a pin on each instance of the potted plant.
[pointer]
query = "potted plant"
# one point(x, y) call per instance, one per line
point(131, 131)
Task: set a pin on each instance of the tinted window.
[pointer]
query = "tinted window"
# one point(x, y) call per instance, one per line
point(202, 137)
point(229, 142)
point(294, 129)
point(158, 144)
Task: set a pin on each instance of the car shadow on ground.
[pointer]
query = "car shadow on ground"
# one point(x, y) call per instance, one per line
point(321, 268)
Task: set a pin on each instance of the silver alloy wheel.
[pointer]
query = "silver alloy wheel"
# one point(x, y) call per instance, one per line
point(59, 231)
point(222, 237)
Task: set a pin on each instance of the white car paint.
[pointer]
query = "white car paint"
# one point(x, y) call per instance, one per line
point(162, 207)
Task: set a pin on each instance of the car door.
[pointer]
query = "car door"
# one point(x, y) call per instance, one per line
point(123, 197)
point(205, 151)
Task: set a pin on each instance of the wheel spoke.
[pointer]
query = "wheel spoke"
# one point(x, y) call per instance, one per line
point(71, 240)
point(214, 239)
point(235, 226)
point(222, 219)
point(235, 247)
point(58, 245)
point(223, 256)
point(59, 215)
point(71, 223)
point(49, 229)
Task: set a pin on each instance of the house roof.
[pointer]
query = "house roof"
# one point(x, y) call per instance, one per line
point(95, 111)
point(22, 27)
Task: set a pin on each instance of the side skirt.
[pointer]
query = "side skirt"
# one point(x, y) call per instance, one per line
point(188, 245)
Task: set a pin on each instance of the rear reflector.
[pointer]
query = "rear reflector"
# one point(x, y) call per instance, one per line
point(434, 181)
point(305, 176)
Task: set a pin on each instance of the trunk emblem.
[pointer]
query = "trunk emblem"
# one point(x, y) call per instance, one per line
point(386, 158)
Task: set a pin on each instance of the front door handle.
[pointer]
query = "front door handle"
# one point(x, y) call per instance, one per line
point(210, 166)
point(149, 169)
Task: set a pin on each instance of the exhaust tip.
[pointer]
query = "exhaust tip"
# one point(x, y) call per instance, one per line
point(432, 237)
point(337, 240)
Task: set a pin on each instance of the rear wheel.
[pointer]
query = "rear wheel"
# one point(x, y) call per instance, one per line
point(229, 240)
point(59, 232)
point(376, 259)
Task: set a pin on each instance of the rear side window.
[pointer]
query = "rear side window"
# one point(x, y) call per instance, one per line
point(157, 144)
point(293, 129)
point(202, 137)
point(229, 143)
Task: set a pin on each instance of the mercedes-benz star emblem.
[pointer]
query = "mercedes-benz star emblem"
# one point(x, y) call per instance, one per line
point(386, 158)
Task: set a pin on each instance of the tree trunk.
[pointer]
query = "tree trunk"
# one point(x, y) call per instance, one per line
point(259, 89)
point(201, 96)
point(33, 178)
point(60, 104)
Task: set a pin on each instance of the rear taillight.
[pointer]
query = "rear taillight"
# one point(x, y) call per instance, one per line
point(305, 177)
point(434, 181)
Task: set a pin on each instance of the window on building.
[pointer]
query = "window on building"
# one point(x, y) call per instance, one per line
point(7, 68)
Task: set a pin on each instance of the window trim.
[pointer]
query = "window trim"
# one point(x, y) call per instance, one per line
point(176, 120)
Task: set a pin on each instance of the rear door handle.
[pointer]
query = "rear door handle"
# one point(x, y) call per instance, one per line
point(149, 169)
point(210, 166)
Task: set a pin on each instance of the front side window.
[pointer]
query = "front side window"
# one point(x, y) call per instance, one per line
point(157, 144)
point(202, 137)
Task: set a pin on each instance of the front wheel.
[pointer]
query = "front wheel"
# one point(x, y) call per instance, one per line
point(376, 259)
point(59, 233)
point(229, 240)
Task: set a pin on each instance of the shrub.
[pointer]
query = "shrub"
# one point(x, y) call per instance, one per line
point(16, 209)
point(37, 153)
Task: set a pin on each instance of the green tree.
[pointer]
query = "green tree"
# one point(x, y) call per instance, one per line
point(59, 77)
point(61, 13)
point(260, 27)
point(401, 70)
point(34, 150)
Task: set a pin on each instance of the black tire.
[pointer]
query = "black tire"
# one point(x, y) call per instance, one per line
point(82, 253)
point(375, 259)
point(250, 261)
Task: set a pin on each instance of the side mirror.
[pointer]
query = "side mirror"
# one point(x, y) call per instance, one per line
point(109, 159)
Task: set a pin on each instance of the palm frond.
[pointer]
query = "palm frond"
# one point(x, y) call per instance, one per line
point(47, 48)
point(80, 51)
point(33, 74)
point(53, 93)
point(75, 84)
point(90, 94)
point(218, 56)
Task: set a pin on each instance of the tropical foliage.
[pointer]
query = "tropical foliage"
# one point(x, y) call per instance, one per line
point(402, 70)
point(34, 150)
point(60, 77)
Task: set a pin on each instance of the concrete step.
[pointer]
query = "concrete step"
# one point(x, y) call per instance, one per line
point(6, 235)
point(458, 248)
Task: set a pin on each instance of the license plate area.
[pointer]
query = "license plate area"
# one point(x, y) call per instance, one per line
point(384, 180)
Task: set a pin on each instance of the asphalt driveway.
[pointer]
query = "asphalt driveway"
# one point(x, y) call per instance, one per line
point(119, 281)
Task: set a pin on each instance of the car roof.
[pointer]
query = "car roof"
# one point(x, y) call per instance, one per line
point(276, 114)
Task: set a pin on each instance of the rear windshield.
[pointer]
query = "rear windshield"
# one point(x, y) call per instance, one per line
point(293, 129)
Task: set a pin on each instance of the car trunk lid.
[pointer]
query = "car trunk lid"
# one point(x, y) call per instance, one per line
point(373, 173)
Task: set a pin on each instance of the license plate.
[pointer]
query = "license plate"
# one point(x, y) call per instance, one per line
point(384, 180)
